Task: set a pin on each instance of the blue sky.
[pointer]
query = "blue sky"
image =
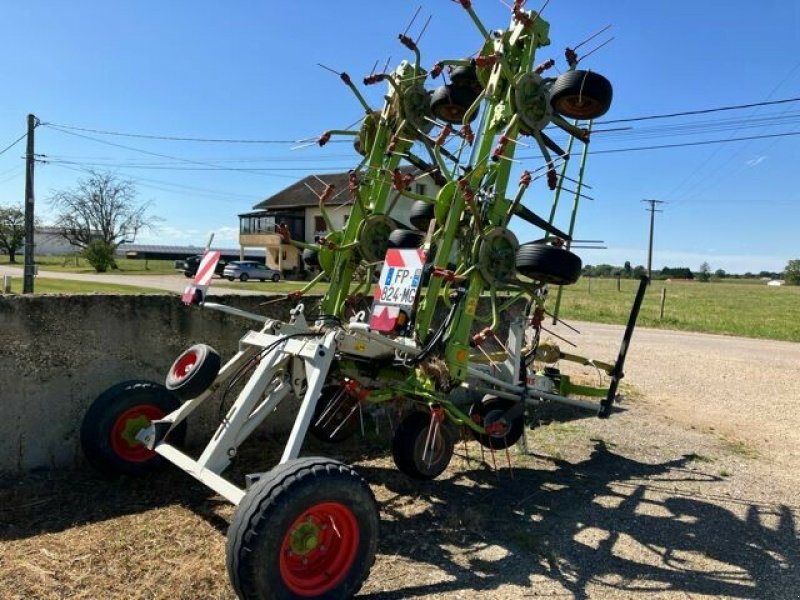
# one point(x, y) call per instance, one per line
point(247, 70)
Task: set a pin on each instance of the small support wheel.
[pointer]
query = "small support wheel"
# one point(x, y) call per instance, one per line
point(492, 413)
point(581, 95)
point(311, 257)
point(548, 264)
point(421, 214)
point(307, 528)
point(451, 102)
point(418, 450)
point(405, 239)
point(193, 371)
point(110, 426)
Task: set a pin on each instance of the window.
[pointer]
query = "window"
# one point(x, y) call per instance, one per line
point(419, 188)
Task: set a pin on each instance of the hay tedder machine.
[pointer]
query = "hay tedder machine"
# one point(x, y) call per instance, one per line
point(428, 352)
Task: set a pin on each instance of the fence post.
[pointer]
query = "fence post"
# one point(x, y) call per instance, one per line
point(618, 278)
point(663, 301)
point(6, 284)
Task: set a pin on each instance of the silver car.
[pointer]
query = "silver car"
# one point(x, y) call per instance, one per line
point(250, 269)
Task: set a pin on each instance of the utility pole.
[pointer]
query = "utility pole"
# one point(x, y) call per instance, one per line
point(27, 280)
point(653, 212)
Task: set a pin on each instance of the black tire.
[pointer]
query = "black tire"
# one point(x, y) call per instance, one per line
point(548, 264)
point(265, 539)
point(408, 447)
point(244, 277)
point(581, 95)
point(334, 420)
point(311, 257)
point(229, 278)
point(276, 278)
point(115, 417)
point(403, 238)
point(464, 73)
point(449, 103)
point(193, 371)
point(188, 274)
point(489, 411)
point(421, 214)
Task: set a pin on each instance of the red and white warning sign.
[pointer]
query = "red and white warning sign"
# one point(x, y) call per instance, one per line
point(397, 288)
point(205, 271)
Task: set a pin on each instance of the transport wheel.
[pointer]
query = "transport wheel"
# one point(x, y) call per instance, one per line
point(581, 95)
point(109, 428)
point(193, 371)
point(244, 277)
point(229, 278)
point(450, 103)
point(548, 264)
point(403, 238)
point(276, 278)
point(408, 447)
point(490, 413)
point(335, 419)
point(420, 214)
point(306, 529)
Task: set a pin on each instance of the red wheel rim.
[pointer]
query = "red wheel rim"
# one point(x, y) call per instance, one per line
point(127, 425)
point(319, 549)
point(183, 365)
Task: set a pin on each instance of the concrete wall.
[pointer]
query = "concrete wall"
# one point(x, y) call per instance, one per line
point(57, 353)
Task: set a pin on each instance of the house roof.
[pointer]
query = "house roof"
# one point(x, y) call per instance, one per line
point(298, 195)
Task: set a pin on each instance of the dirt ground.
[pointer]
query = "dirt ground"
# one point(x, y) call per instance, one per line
point(689, 491)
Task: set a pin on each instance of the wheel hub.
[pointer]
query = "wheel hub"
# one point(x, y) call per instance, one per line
point(304, 538)
point(498, 255)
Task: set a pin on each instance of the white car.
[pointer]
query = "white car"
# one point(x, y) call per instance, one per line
point(250, 269)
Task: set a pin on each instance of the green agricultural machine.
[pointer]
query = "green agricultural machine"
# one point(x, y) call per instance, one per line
point(441, 292)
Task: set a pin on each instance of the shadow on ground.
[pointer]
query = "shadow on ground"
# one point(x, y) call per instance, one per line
point(570, 523)
point(565, 525)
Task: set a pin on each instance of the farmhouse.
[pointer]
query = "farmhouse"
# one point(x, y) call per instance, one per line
point(297, 207)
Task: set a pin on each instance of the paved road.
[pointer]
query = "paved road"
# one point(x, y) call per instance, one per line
point(171, 283)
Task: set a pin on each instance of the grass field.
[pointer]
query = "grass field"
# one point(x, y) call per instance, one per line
point(73, 264)
point(729, 308)
point(64, 286)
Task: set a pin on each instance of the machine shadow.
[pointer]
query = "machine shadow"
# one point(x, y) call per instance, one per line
point(564, 525)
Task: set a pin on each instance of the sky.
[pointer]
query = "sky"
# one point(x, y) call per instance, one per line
point(247, 70)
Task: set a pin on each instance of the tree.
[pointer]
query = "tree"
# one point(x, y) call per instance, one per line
point(12, 230)
point(638, 271)
point(101, 207)
point(627, 269)
point(792, 272)
point(704, 274)
point(720, 274)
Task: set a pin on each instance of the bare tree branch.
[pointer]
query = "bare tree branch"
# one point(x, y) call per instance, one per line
point(101, 207)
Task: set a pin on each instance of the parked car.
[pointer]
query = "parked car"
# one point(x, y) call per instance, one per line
point(189, 265)
point(249, 269)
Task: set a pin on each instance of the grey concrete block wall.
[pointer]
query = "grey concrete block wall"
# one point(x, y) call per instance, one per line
point(57, 353)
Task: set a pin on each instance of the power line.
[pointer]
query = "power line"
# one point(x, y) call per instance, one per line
point(173, 138)
point(699, 112)
point(14, 143)
point(683, 144)
point(266, 141)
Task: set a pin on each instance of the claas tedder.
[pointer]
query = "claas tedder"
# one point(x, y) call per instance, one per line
point(428, 350)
